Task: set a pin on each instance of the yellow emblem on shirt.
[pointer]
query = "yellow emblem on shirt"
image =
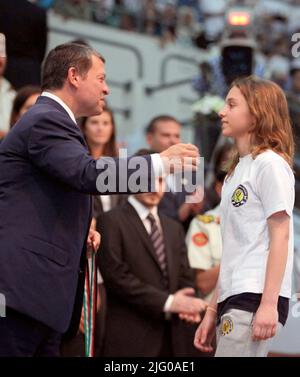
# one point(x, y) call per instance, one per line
point(226, 326)
point(240, 196)
point(206, 219)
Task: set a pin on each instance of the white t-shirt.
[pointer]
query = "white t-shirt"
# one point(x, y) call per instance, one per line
point(257, 189)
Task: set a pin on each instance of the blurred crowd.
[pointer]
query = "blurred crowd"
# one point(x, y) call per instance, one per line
point(189, 22)
point(201, 23)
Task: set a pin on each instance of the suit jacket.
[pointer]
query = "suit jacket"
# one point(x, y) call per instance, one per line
point(116, 200)
point(136, 293)
point(46, 176)
point(25, 27)
point(173, 200)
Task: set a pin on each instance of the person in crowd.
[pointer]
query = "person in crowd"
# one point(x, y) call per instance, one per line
point(293, 97)
point(251, 301)
point(162, 132)
point(294, 91)
point(100, 134)
point(47, 178)
point(7, 93)
point(25, 98)
point(143, 260)
point(25, 26)
point(278, 70)
point(78, 9)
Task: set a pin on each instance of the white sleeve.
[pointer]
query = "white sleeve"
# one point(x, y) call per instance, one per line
point(168, 304)
point(198, 245)
point(275, 187)
point(157, 165)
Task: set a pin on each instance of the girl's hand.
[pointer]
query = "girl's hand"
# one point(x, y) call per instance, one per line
point(206, 332)
point(265, 323)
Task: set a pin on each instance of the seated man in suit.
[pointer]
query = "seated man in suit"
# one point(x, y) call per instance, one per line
point(143, 260)
point(162, 132)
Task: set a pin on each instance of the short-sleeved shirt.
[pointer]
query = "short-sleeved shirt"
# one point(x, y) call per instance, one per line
point(204, 240)
point(257, 189)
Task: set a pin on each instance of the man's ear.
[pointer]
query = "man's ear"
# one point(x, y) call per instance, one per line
point(73, 77)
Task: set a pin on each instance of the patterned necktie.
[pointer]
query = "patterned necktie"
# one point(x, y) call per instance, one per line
point(158, 245)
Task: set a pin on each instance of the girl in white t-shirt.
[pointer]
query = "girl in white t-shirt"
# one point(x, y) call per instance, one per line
point(251, 301)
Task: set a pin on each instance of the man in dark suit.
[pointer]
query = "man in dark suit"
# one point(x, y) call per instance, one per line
point(143, 260)
point(46, 176)
point(25, 27)
point(162, 132)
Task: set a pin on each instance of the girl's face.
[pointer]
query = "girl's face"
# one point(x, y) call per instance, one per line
point(98, 129)
point(235, 116)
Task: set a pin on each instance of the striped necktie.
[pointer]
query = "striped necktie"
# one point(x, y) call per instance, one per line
point(158, 245)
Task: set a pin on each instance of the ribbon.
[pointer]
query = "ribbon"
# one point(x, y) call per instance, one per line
point(90, 305)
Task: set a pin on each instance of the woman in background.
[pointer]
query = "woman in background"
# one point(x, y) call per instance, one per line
point(25, 98)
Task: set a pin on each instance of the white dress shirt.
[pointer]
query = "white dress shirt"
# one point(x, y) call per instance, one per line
point(143, 213)
point(61, 102)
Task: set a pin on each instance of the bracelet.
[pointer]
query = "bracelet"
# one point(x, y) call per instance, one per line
point(211, 309)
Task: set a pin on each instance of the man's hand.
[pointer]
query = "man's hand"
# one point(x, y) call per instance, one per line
point(94, 239)
point(265, 322)
point(179, 157)
point(183, 302)
point(190, 318)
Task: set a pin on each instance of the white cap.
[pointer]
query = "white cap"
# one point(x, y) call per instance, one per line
point(273, 7)
point(2, 46)
point(213, 7)
point(278, 65)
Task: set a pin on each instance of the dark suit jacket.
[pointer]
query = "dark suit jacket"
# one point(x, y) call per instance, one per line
point(116, 200)
point(173, 200)
point(136, 293)
point(46, 175)
point(25, 27)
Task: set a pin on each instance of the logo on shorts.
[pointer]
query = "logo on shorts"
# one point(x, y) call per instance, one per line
point(226, 326)
point(240, 196)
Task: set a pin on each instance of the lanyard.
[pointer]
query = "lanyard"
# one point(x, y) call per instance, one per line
point(90, 305)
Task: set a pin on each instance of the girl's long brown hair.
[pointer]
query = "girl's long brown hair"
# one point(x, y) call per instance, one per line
point(272, 128)
point(110, 148)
